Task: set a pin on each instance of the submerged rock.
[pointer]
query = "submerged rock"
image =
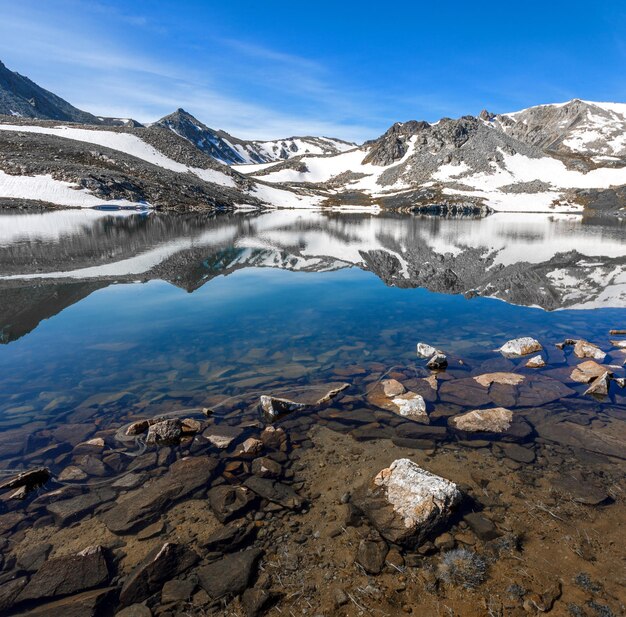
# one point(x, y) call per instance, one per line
point(406, 503)
point(520, 347)
point(228, 502)
point(536, 362)
point(230, 575)
point(222, 435)
point(508, 379)
point(314, 396)
point(276, 492)
point(67, 575)
point(438, 362)
point(495, 420)
point(26, 482)
point(584, 349)
point(166, 432)
point(162, 564)
point(392, 387)
point(409, 405)
point(586, 372)
point(600, 385)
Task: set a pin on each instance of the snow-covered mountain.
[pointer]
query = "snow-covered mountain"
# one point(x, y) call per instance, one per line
point(535, 160)
point(234, 151)
point(583, 127)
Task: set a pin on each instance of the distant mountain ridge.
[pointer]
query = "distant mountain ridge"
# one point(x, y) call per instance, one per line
point(564, 157)
point(234, 151)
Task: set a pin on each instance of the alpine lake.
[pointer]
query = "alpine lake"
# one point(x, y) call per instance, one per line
point(193, 409)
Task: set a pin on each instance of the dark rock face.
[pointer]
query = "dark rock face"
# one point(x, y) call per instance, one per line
point(482, 526)
point(159, 566)
point(68, 575)
point(144, 505)
point(92, 603)
point(20, 95)
point(230, 575)
point(9, 592)
point(230, 537)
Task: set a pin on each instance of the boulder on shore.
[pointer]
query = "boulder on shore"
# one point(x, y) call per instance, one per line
point(407, 503)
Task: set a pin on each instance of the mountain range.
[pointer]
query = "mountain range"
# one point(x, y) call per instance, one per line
point(567, 157)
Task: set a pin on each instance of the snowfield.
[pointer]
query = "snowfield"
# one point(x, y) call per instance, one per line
point(129, 144)
point(46, 188)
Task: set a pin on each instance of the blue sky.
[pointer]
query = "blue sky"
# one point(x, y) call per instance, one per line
point(346, 69)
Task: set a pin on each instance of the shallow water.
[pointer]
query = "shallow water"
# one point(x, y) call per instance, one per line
point(107, 318)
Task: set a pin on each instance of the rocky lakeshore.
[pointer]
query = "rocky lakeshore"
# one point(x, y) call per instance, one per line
point(438, 487)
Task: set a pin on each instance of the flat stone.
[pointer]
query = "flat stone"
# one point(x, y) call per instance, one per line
point(177, 590)
point(72, 474)
point(67, 575)
point(135, 610)
point(586, 372)
point(518, 453)
point(250, 448)
point(92, 603)
point(222, 435)
point(578, 488)
point(143, 506)
point(392, 387)
point(483, 528)
point(406, 503)
point(585, 349)
point(314, 396)
point(30, 480)
point(256, 602)
point(409, 405)
point(230, 537)
point(230, 575)
point(71, 510)
point(34, 558)
point(275, 491)
point(228, 502)
point(520, 347)
point(161, 564)
point(495, 420)
point(609, 440)
point(371, 556)
point(265, 467)
point(509, 379)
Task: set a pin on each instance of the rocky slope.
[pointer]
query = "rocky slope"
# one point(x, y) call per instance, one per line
point(234, 151)
point(22, 98)
point(89, 166)
point(545, 159)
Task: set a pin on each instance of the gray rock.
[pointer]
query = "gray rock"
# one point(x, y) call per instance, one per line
point(371, 556)
point(276, 492)
point(162, 564)
point(484, 529)
point(9, 592)
point(68, 575)
point(165, 432)
point(143, 506)
point(256, 601)
point(228, 502)
point(230, 575)
point(230, 537)
point(177, 590)
point(265, 467)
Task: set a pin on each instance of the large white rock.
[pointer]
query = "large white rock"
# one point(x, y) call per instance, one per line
point(406, 503)
point(411, 405)
point(520, 347)
point(424, 350)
